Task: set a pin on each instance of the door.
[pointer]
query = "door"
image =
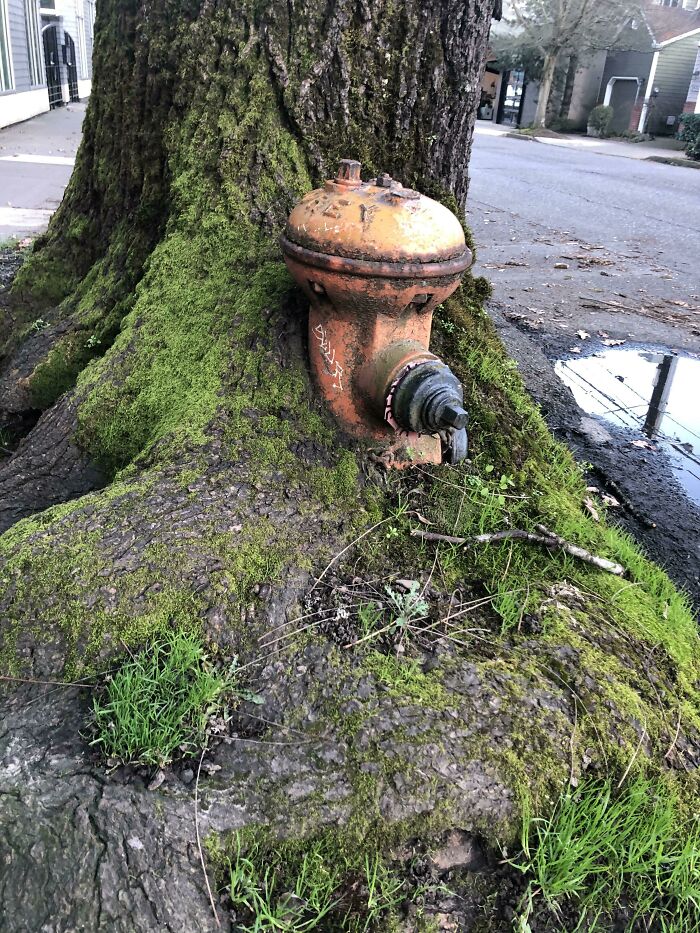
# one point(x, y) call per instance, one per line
point(53, 67)
point(622, 100)
point(71, 66)
point(511, 103)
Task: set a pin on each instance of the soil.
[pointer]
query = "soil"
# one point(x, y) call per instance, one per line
point(547, 286)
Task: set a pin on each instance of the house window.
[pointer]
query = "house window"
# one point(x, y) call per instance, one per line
point(669, 2)
point(91, 13)
point(36, 61)
point(6, 78)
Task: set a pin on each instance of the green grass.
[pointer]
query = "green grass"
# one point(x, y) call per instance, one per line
point(157, 705)
point(299, 888)
point(603, 847)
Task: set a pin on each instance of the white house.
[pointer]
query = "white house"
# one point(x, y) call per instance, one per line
point(45, 55)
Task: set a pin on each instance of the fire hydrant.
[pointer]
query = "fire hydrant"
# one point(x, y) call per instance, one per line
point(375, 259)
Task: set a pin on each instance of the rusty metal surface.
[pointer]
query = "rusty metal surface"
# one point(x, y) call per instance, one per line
point(378, 220)
point(368, 267)
point(373, 274)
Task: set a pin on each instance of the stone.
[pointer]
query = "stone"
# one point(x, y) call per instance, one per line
point(459, 850)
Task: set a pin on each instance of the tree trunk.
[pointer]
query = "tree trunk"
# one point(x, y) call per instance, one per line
point(568, 87)
point(184, 473)
point(546, 82)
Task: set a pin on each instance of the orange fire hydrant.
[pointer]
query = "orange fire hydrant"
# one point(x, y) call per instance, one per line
point(375, 259)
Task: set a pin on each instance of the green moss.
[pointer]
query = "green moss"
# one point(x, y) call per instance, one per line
point(407, 682)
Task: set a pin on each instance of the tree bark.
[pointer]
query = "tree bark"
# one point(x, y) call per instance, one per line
point(546, 82)
point(571, 71)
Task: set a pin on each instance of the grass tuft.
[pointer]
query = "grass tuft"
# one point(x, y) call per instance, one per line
point(602, 848)
point(158, 703)
point(310, 886)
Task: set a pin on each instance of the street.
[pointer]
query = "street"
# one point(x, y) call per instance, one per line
point(36, 161)
point(595, 265)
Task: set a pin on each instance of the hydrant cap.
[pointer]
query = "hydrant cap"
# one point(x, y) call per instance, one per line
point(378, 220)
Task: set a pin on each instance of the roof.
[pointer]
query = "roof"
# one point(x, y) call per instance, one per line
point(667, 23)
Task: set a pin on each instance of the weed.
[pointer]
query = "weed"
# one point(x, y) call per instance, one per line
point(158, 703)
point(37, 326)
point(368, 617)
point(601, 847)
point(407, 606)
point(312, 886)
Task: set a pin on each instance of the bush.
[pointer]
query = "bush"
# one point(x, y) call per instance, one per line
point(689, 133)
point(599, 118)
point(158, 704)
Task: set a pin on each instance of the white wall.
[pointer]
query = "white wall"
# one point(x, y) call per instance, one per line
point(21, 106)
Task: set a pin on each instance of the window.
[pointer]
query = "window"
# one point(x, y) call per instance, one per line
point(91, 13)
point(6, 79)
point(669, 2)
point(36, 61)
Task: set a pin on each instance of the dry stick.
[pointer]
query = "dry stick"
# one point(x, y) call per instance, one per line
point(546, 538)
point(50, 683)
point(199, 840)
point(675, 738)
point(636, 752)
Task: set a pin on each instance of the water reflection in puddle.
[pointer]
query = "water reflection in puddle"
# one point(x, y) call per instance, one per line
point(653, 393)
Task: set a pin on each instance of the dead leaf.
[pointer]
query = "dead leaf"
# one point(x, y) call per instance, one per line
point(574, 349)
point(644, 444)
point(612, 343)
point(582, 334)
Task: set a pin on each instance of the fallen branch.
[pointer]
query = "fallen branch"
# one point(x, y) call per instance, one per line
point(548, 538)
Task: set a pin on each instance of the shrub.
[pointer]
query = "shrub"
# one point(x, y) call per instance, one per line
point(158, 703)
point(599, 118)
point(689, 133)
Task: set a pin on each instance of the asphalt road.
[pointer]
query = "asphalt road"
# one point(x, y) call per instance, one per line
point(36, 161)
point(595, 261)
point(572, 238)
point(625, 204)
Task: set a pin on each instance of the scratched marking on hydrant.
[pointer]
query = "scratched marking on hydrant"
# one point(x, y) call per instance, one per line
point(333, 367)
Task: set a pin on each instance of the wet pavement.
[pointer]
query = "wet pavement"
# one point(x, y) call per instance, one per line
point(36, 161)
point(651, 395)
point(595, 267)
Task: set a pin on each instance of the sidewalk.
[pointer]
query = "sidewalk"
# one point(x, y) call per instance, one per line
point(660, 148)
point(36, 161)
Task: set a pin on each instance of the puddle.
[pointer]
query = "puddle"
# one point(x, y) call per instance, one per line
point(655, 394)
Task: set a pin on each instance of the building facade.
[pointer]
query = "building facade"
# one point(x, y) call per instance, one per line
point(45, 55)
point(647, 84)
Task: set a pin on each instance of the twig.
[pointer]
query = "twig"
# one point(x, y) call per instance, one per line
point(636, 752)
point(675, 738)
point(545, 537)
point(199, 840)
point(50, 683)
point(576, 551)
